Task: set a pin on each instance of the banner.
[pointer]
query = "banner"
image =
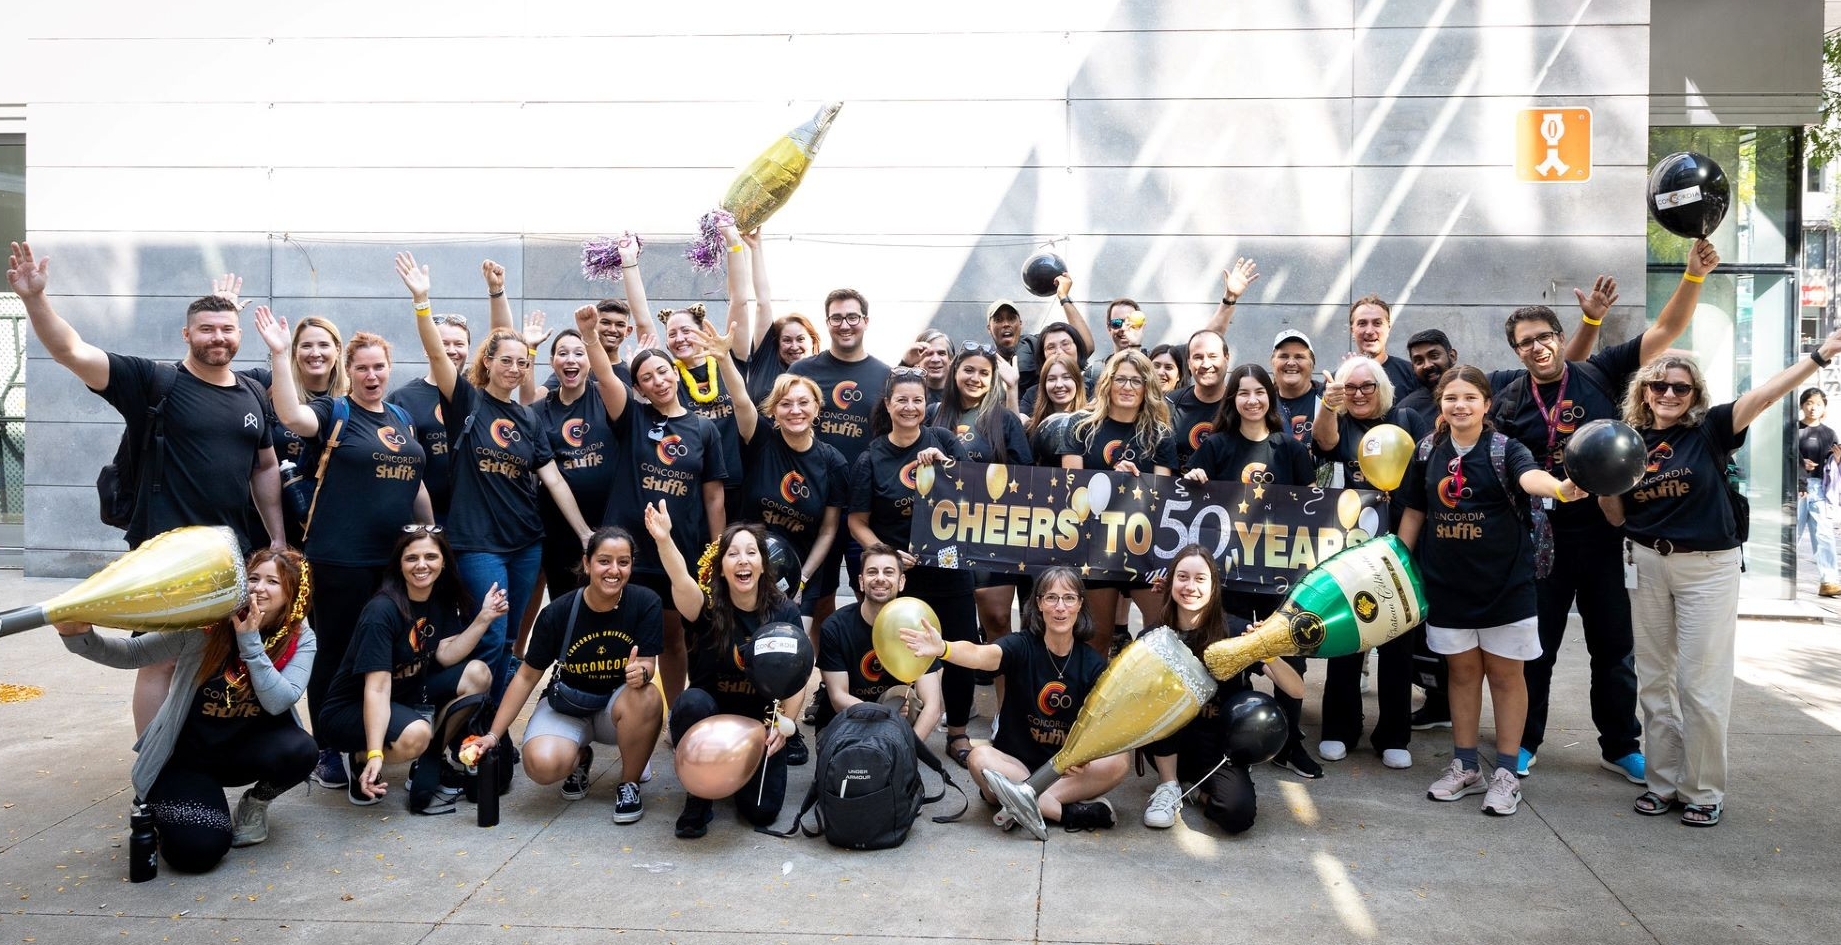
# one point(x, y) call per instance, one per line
point(1112, 526)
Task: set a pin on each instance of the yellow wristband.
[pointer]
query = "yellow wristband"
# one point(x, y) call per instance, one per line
point(1559, 492)
point(1589, 320)
point(373, 753)
point(945, 649)
point(1690, 277)
point(736, 248)
point(423, 310)
point(533, 352)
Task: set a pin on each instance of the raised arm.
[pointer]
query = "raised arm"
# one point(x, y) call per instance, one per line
point(1592, 310)
point(1234, 282)
point(1064, 289)
point(739, 281)
point(459, 646)
point(1324, 430)
point(277, 689)
point(552, 479)
point(497, 304)
point(645, 330)
point(684, 590)
point(282, 393)
point(613, 393)
point(28, 276)
point(718, 344)
point(1674, 317)
point(1754, 401)
point(763, 293)
point(439, 367)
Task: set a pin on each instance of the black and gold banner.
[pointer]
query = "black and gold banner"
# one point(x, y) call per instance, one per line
point(1111, 526)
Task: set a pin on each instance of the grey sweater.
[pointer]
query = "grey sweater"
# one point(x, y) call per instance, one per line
point(277, 690)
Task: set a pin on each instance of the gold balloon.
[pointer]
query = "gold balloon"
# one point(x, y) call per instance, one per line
point(1384, 455)
point(719, 754)
point(1078, 502)
point(178, 580)
point(769, 180)
point(1348, 509)
point(899, 661)
point(996, 477)
point(923, 479)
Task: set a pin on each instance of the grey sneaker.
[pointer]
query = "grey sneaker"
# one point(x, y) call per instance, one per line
point(1504, 795)
point(575, 786)
point(1456, 782)
point(628, 809)
point(1165, 806)
point(251, 824)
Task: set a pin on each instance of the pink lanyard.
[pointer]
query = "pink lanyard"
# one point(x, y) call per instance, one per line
point(1551, 416)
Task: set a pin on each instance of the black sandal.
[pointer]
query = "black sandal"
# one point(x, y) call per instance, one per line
point(1652, 804)
point(1701, 815)
point(959, 754)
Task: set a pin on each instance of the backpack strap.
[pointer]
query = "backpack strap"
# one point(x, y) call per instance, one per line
point(926, 756)
point(341, 412)
point(402, 417)
point(798, 824)
point(1533, 516)
point(153, 433)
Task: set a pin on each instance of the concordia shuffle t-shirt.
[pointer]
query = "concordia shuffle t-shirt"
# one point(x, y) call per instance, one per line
point(1113, 442)
point(978, 448)
point(1278, 459)
point(662, 458)
point(883, 482)
point(1682, 495)
point(1043, 694)
point(1475, 553)
point(602, 642)
point(382, 641)
point(789, 491)
point(580, 438)
point(1570, 405)
point(1195, 422)
point(720, 412)
point(846, 644)
point(720, 667)
point(368, 493)
point(495, 472)
point(848, 391)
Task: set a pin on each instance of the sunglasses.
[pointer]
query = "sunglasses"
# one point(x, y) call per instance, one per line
point(907, 372)
point(417, 528)
point(458, 321)
point(973, 347)
point(1659, 388)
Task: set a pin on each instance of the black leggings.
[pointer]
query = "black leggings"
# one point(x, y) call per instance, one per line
point(1231, 802)
point(1342, 695)
point(339, 596)
point(1256, 607)
point(695, 705)
point(187, 799)
point(950, 594)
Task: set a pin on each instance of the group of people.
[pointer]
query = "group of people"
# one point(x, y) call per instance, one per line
point(647, 497)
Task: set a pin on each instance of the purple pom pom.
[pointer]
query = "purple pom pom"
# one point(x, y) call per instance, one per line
point(706, 251)
point(603, 258)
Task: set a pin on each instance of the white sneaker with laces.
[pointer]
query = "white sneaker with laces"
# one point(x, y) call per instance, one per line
point(1397, 758)
point(1165, 806)
point(1332, 750)
point(1504, 796)
point(1457, 782)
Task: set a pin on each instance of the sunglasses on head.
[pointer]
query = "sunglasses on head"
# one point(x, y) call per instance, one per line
point(458, 321)
point(907, 372)
point(417, 528)
point(973, 347)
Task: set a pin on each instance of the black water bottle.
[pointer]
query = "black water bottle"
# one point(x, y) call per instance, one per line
point(143, 845)
point(487, 789)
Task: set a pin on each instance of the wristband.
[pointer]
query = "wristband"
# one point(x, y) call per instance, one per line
point(1815, 354)
point(533, 352)
point(1064, 300)
point(1589, 320)
point(1690, 277)
point(1227, 301)
point(423, 310)
point(494, 295)
point(373, 753)
point(945, 649)
point(1559, 492)
point(736, 248)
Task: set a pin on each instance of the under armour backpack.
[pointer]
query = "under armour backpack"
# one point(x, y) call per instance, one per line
point(866, 785)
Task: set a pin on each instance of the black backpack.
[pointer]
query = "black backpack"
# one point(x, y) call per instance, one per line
point(119, 481)
point(867, 784)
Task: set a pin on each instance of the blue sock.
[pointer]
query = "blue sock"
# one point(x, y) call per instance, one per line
point(1509, 761)
point(1468, 756)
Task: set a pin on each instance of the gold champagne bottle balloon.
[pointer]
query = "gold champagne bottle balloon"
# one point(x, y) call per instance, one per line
point(179, 580)
point(769, 180)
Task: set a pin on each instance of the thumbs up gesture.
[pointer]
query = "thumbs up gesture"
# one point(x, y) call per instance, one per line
point(1332, 391)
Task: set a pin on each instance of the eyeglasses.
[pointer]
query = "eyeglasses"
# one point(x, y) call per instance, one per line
point(1127, 381)
point(1363, 389)
point(973, 347)
point(1659, 388)
point(1066, 600)
point(509, 361)
point(1545, 339)
point(853, 319)
point(458, 321)
point(417, 528)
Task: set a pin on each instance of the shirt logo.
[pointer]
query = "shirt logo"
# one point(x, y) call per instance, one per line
point(505, 433)
point(1256, 473)
point(870, 667)
point(1117, 452)
point(907, 474)
point(1660, 456)
point(1198, 433)
point(845, 394)
point(250, 422)
point(573, 431)
point(793, 488)
point(671, 449)
point(1053, 698)
point(1450, 494)
point(391, 439)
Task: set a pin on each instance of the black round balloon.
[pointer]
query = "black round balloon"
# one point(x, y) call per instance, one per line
point(785, 564)
point(779, 660)
point(1689, 194)
point(1256, 728)
point(1040, 271)
point(1606, 457)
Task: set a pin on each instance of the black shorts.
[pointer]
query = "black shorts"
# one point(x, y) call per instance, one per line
point(1003, 579)
point(343, 721)
point(1123, 587)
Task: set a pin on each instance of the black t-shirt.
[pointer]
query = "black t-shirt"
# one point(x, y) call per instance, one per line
point(883, 481)
point(789, 491)
point(979, 449)
point(1350, 431)
point(382, 641)
point(370, 487)
point(224, 709)
point(846, 644)
point(602, 642)
point(581, 441)
point(667, 458)
point(1299, 413)
point(1570, 404)
point(848, 391)
point(721, 413)
point(1278, 459)
point(1475, 552)
point(289, 447)
point(1045, 440)
point(1814, 442)
point(1194, 419)
point(1043, 694)
point(1420, 403)
point(1682, 496)
point(423, 401)
point(494, 507)
point(763, 367)
point(213, 435)
point(720, 667)
point(1112, 442)
point(1400, 372)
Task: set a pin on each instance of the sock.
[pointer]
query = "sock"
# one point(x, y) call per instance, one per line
point(266, 791)
point(1468, 756)
point(1508, 761)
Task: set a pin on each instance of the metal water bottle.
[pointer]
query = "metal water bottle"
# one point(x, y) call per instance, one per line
point(143, 845)
point(487, 790)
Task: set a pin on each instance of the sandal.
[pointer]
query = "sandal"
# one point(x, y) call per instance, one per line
point(1652, 804)
point(959, 754)
point(1701, 815)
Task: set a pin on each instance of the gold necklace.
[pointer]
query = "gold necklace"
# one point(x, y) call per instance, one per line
point(698, 393)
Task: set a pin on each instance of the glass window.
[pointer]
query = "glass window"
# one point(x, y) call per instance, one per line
point(1762, 168)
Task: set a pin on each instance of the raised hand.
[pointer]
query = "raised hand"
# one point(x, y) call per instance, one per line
point(1064, 284)
point(658, 521)
point(414, 277)
point(716, 343)
point(1238, 277)
point(273, 329)
point(1332, 391)
point(494, 605)
point(1604, 295)
point(229, 287)
point(1702, 258)
point(247, 620)
point(26, 275)
point(495, 276)
point(534, 335)
point(752, 239)
point(587, 321)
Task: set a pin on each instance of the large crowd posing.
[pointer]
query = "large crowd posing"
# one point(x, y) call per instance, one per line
point(425, 549)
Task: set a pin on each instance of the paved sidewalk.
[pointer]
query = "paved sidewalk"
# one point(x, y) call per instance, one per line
point(1358, 856)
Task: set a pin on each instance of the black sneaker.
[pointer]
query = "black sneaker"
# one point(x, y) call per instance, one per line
point(1298, 761)
point(628, 809)
point(695, 821)
point(1087, 815)
point(796, 752)
point(575, 786)
point(1423, 719)
point(354, 789)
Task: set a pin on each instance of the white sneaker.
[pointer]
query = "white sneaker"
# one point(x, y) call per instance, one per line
point(1397, 758)
point(1504, 795)
point(1332, 750)
point(1456, 782)
point(1165, 806)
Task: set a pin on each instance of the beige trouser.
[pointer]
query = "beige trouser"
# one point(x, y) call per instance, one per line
point(1685, 611)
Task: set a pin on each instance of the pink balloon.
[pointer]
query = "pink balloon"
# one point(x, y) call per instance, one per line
point(719, 754)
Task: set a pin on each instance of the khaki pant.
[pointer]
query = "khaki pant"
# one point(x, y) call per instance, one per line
point(1685, 612)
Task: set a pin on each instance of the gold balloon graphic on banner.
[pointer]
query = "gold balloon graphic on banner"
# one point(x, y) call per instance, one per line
point(1384, 455)
point(1078, 502)
point(996, 477)
point(1348, 508)
point(923, 479)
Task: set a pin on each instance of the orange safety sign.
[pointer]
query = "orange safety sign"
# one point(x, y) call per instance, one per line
point(1553, 145)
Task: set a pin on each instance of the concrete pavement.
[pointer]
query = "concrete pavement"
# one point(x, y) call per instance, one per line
point(1358, 856)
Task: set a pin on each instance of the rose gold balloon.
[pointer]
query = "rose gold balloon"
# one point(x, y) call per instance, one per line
point(719, 754)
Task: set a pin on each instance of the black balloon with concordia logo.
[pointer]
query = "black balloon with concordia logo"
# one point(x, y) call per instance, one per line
point(1256, 728)
point(779, 660)
point(1606, 457)
point(785, 563)
point(1040, 272)
point(1689, 194)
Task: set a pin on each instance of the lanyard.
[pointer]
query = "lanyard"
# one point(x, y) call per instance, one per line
point(1552, 417)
